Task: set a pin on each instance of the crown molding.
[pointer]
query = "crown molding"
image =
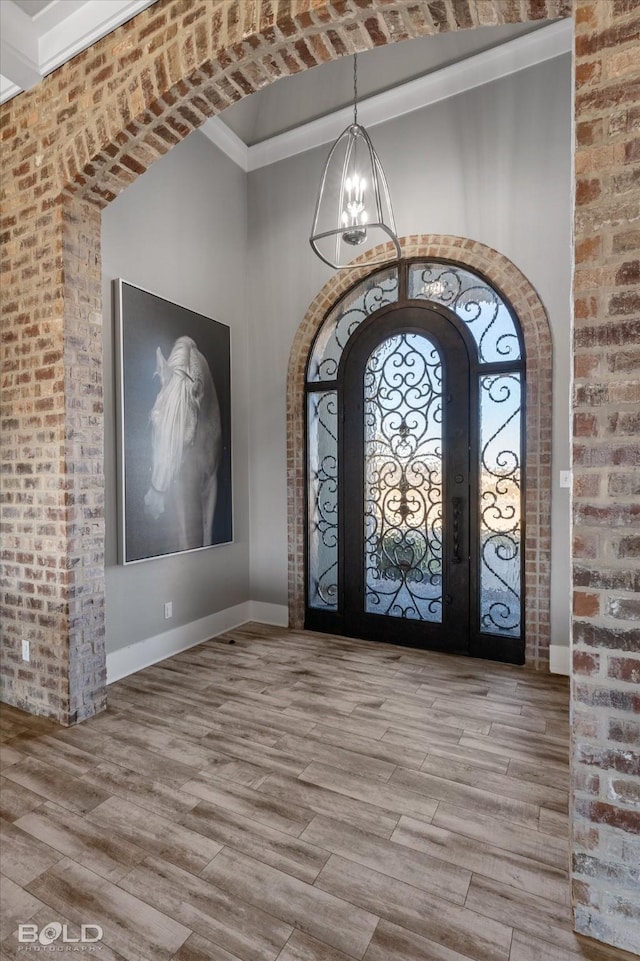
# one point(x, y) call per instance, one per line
point(8, 89)
point(87, 23)
point(229, 143)
point(31, 47)
point(486, 67)
point(18, 47)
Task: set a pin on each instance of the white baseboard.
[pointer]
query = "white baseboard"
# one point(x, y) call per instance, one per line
point(142, 654)
point(559, 659)
point(275, 614)
point(133, 658)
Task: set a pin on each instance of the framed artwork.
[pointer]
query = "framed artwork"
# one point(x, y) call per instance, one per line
point(173, 380)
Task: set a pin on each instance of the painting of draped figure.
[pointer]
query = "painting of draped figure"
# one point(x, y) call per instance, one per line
point(173, 391)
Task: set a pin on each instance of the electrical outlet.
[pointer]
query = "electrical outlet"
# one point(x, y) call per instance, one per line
point(565, 478)
point(26, 651)
point(168, 610)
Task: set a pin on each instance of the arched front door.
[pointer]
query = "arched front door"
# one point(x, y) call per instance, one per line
point(405, 480)
point(414, 436)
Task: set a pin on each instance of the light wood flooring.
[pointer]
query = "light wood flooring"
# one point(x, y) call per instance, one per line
point(292, 796)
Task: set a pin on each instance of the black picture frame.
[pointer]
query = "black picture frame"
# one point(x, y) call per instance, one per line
point(175, 490)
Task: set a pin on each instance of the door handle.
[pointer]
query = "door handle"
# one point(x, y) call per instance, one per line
point(458, 506)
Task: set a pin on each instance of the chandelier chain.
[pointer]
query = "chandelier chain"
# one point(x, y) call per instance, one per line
point(355, 88)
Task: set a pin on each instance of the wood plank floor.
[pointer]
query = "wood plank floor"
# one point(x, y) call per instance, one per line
point(287, 796)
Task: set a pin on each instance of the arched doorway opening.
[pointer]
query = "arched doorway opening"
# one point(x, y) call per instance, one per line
point(454, 570)
point(81, 137)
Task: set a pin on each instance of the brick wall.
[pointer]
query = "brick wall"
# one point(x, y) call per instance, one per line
point(77, 140)
point(70, 146)
point(606, 458)
point(537, 338)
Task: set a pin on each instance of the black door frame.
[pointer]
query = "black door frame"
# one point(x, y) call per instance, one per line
point(452, 633)
point(480, 644)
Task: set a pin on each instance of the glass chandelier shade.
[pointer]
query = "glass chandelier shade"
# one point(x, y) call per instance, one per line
point(353, 206)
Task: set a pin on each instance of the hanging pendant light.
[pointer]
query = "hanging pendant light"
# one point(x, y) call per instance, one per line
point(353, 206)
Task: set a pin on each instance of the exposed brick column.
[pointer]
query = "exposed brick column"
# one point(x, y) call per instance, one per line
point(606, 486)
point(33, 455)
point(83, 467)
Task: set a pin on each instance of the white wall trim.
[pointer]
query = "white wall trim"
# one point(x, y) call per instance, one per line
point(275, 614)
point(490, 65)
point(32, 47)
point(150, 651)
point(142, 654)
point(559, 659)
point(229, 143)
point(8, 89)
point(89, 22)
point(18, 47)
point(133, 658)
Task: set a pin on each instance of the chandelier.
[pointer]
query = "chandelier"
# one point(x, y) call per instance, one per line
point(353, 205)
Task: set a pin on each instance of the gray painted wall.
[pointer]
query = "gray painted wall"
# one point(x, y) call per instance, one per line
point(494, 165)
point(180, 232)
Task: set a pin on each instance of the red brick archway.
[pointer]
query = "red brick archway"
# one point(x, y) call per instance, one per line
point(87, 131)
point(537, 337)
point(77, 141)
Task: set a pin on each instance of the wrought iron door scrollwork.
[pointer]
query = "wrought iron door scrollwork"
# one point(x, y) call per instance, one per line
point(384, 445)
point(476, 303)
point(323, 500)
point(500, 520)
point(374, 293)
point(403, 479)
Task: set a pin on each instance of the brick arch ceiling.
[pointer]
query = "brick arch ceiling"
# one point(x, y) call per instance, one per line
point(511, 283)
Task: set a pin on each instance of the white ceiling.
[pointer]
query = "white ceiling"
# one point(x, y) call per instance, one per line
point(34, 7)
point(287, 102)
point(296, 100)
point(38, 36)
point(294, 113)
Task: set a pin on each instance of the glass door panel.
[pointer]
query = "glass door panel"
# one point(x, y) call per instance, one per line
point(322, 498)
point(500, 500)
point(403, 479)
